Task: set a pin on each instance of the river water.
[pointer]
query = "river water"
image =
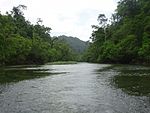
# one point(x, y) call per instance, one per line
point(75, 88)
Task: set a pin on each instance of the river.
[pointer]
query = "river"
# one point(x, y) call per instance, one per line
point(75, 88)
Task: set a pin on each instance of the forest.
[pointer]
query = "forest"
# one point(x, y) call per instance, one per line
point(24, 43)
point(125, 37)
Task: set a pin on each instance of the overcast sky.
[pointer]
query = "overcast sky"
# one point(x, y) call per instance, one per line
point(65, 17)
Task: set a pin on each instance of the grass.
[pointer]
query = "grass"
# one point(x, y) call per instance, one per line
point(62, 62)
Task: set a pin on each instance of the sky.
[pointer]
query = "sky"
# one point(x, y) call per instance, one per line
point(65, 17)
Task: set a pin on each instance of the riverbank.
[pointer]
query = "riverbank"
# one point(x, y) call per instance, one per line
point(62, 62)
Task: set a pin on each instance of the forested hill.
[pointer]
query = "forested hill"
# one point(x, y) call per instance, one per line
point(76, 44)
point(126, 39)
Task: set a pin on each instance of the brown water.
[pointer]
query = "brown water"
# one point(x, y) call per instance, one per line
point(75, 88)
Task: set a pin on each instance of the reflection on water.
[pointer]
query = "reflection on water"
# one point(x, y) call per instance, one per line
point(78, 88)
point(18, 73)
point(134, 80)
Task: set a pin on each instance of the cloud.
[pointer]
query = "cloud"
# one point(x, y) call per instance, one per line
point(70, 17)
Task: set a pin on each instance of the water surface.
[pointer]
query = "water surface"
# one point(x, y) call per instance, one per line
point(75, 88)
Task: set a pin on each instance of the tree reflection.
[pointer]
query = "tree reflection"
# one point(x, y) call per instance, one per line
point(133, 82)
point(15, 74)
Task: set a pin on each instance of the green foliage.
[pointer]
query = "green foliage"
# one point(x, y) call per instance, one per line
point(64, 53)
point(24, 43)
point(144, 51)
point(39, 52)
point(126, 39)
point(108, 52)
point(17, 50)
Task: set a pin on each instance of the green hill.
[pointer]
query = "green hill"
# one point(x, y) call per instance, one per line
point(76, 44)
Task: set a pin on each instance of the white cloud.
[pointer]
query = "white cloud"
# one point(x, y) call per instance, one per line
point(69, 17)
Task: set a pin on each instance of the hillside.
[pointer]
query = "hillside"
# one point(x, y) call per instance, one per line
point(76, 44)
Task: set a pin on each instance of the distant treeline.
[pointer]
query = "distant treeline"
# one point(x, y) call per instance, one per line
point(24, 43)
point(125, 37)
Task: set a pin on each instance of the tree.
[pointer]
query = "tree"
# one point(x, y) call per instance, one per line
point(24, 43)
point(103, 22)
point(127, 35)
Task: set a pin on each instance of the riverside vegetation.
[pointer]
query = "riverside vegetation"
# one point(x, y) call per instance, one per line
point(125, 37)
point(24, 43)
